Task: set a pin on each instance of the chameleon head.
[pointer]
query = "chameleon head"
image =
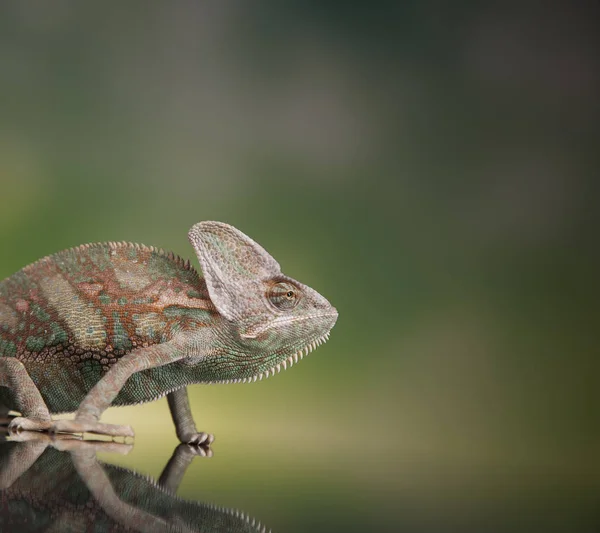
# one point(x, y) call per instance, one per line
point(274, 320)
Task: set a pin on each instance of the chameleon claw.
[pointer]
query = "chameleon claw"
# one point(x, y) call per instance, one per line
point(191, 450)
point(52, 440)
point(199, 439)
point(38, 436)
point(98, 428)
point(19, 424)
point(202, 450)
point(75, 445)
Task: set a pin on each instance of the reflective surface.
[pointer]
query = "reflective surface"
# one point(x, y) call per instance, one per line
point(66, 484)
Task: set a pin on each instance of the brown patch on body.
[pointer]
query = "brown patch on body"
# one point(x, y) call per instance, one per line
point(169, 296)
point(90, 289)
point(22, 306)
point(131, 275)
point(7, 316)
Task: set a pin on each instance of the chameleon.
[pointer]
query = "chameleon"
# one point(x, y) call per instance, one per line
point(60, 485)
point(118, 323)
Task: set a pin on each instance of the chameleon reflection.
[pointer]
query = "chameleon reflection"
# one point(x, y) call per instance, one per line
point(57, 485)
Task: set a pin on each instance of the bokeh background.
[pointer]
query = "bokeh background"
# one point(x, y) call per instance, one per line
point(430, 167)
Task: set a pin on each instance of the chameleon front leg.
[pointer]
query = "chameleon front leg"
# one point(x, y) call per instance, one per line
point(105, 391)
point(181, 412)
point(28, 400)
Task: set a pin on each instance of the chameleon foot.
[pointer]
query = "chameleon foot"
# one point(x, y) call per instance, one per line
point(20, 423)
point(37, 436)
point(84, 426)
point(202, 450)
point(68, 444)
point(198, 439)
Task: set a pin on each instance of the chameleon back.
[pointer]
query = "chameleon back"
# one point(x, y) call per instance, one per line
point(70, 316)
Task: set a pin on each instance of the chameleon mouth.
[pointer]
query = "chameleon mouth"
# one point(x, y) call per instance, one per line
point(288, 362)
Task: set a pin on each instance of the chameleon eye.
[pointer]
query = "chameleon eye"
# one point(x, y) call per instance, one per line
point(284, 296)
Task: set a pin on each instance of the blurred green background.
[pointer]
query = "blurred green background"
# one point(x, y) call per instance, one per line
point(430, 167)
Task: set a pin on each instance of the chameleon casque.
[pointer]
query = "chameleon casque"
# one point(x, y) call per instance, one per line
point(120, 324)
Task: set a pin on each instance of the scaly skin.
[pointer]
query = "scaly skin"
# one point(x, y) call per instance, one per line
point(70, 490)
point(122, 324)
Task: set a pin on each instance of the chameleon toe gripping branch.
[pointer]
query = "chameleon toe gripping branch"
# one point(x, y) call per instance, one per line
point(121, 324)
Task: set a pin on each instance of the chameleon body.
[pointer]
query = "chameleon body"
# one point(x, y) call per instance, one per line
point(122, 324)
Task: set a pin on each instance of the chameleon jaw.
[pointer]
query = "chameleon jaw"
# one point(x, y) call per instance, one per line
point(288, 362)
